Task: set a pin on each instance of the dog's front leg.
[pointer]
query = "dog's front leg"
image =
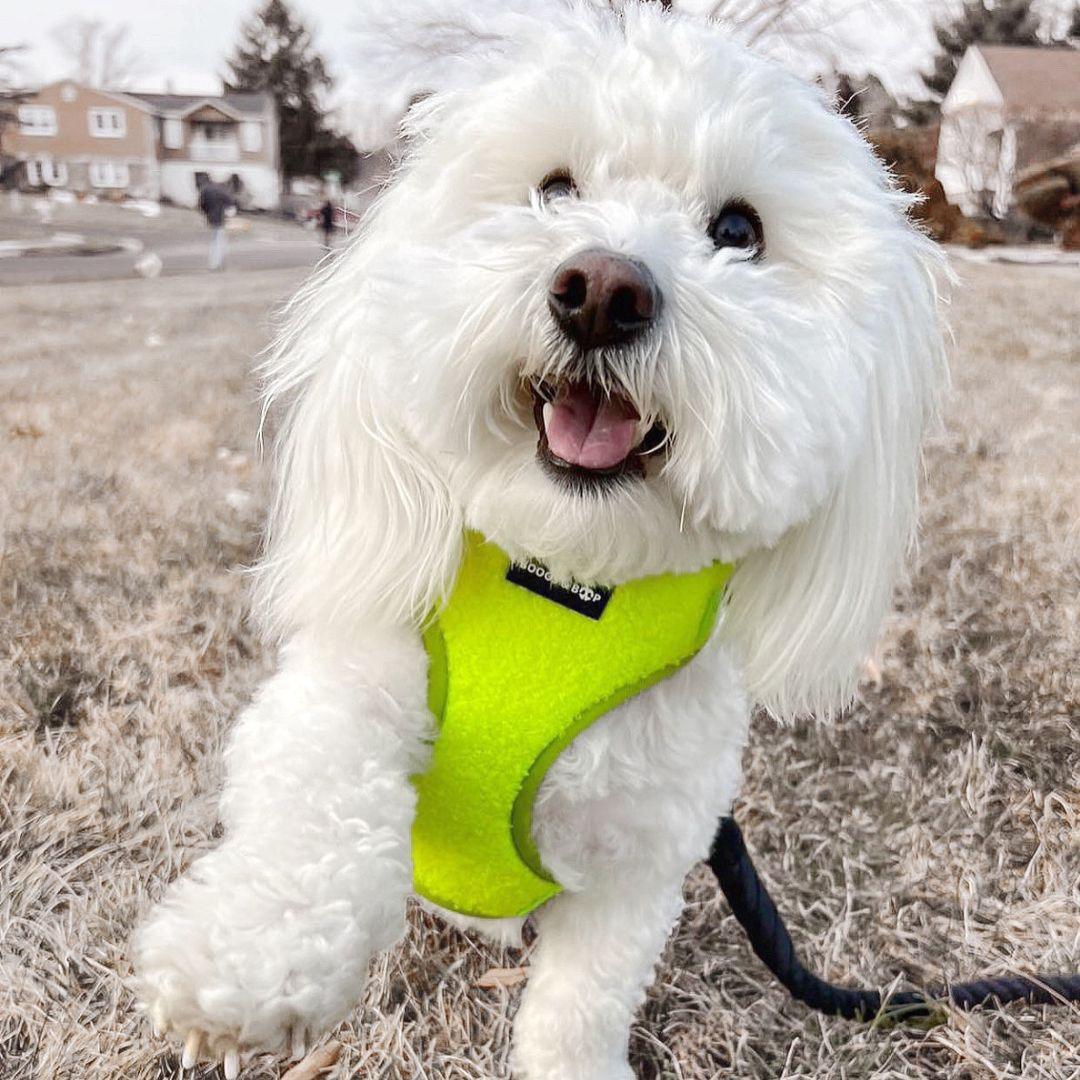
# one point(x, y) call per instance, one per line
point(265, 944)
point(595, 955)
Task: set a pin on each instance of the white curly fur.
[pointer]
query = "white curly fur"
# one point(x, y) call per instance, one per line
point(795, 389)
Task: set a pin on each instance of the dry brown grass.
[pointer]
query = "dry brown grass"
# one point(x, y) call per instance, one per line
point(933, 833)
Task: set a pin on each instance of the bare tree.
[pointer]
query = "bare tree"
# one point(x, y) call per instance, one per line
point(10, 79)
point(762, 19)
point(98, 54)
point(10, 96)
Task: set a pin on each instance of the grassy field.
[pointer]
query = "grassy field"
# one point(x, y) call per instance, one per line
point(933, 833)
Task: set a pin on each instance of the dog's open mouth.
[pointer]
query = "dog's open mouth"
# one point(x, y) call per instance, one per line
point(590, 437)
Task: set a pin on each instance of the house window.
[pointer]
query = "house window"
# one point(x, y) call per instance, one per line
point(54, 173)
point(109, 174)
point(45, 171)
point(37, 120)
point(251, 136)
point(108, 123)
point(213, 132)
point(172, 133)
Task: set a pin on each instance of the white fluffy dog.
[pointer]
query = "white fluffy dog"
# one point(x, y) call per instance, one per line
point(638, 301)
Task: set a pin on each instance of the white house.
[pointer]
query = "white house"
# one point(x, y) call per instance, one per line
point(1008, 108)
point(229, 138)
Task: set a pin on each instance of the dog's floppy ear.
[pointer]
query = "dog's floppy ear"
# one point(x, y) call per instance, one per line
point(804, 614)
point(362, 528)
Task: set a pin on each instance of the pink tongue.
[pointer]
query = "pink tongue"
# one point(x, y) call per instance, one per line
point(584, 429)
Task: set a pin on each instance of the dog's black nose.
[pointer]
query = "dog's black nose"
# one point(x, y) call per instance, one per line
point(601, 298)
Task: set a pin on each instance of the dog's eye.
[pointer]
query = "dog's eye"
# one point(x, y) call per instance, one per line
point(557, 185)
point(738, 226)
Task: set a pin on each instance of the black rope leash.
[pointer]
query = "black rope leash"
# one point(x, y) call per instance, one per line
point(757, 914)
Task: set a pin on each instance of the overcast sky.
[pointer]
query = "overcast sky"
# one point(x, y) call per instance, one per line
point(182, 43)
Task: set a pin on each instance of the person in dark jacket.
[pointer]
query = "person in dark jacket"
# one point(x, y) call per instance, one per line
point(326, 223)
point(215, 200)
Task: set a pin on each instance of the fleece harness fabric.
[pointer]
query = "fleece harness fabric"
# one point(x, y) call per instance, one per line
point(518, 667)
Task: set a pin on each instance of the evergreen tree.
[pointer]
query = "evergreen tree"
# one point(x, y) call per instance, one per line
point(1007, 22)
point(865, 100)
point(276, 54)
point(847, 97)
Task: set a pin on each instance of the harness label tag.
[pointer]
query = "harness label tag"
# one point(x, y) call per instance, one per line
point(587, 600)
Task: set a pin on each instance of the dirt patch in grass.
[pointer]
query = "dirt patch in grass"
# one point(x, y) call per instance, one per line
point(933, 833)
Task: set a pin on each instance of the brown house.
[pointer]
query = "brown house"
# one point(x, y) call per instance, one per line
point(85, 140)
point(147, 145)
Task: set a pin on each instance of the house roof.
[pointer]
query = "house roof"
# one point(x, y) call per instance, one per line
point(122, 96)
point(1038, 78)
point(248, 103)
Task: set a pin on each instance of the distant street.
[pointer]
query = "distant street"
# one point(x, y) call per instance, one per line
point(185, 256)
point(179, 238)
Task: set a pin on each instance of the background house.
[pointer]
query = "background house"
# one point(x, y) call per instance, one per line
point(85, 140)
point(228, 138)
point(1009, 108)
point(147, 145)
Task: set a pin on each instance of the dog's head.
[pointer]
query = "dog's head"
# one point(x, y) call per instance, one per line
point(637, 300)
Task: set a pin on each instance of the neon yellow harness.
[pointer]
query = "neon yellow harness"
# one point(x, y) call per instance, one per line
point(516, 672)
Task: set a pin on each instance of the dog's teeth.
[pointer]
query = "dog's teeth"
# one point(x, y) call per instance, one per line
point(548, 410)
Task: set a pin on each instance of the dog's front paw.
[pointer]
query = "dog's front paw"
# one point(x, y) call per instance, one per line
point(571, 1068)
point(236, 962)
point(546, 1047)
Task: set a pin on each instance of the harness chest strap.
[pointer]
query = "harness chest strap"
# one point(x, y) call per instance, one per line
point(513, 678)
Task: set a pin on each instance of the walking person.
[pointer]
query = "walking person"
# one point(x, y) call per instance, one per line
point(215, 200)
point(326, 223)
